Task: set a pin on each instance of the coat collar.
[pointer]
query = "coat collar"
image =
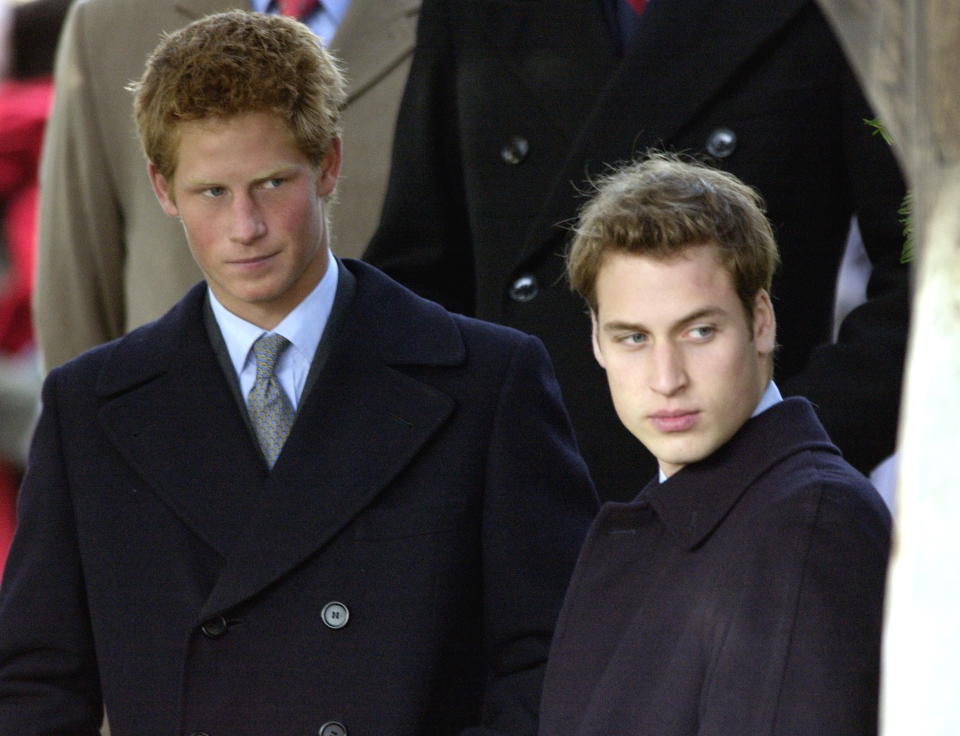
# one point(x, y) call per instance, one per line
point(561, 50)
point(170, 413)
point(683, 56)
point(429, 335)
point(693, 502)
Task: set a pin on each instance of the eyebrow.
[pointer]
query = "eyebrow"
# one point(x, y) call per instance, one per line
point(282, 170)
point(705, 312)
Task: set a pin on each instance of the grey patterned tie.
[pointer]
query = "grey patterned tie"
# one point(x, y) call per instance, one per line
point(269, 408)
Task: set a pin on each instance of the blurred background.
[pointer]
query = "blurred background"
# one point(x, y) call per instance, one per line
point(29, 30)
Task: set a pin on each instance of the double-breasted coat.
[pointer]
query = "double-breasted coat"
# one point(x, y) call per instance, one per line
point(512, 105)
point(429, 497)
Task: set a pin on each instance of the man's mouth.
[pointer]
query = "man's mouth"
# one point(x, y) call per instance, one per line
point(678, 420)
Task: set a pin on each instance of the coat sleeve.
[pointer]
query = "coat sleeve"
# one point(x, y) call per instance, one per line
point(856, 382)
point(78, 291)
point(539, 504)
point(424, 237)
point(802, 655)
point(48, 672)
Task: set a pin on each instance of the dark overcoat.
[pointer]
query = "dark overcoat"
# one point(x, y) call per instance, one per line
point(429, 497)
point(742, 596)
point(512, 105)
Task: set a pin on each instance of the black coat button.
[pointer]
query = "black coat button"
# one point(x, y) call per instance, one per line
point(525, 288)
point(332, 728)
point(214, 628)
point(515, 150)
point(721, 143)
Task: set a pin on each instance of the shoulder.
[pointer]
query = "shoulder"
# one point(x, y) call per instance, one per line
point(91, 29)
point(845, 495)
point(183, 11)
point(801, 481)
point(818, 500)
point(407, 328)
point(141, 353)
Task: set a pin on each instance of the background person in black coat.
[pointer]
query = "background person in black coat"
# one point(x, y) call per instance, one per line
point(742, 591)
point(512, 105)
point(396, 569)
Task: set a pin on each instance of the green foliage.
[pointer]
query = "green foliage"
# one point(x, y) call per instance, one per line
point(879, 129)
point(906, 219)
point(905, 212)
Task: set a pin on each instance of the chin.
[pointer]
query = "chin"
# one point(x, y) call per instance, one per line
point(257, 294)
point(683, 458)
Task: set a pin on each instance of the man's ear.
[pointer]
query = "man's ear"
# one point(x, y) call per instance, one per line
point(764, 323)
point(164, 190)
point(329, 169)
point(595, 339)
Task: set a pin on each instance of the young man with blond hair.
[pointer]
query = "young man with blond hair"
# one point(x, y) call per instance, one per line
point(305, 500)
point(741, 591)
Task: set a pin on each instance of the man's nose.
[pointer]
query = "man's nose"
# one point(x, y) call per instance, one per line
point(247, 222)
point(668, 373)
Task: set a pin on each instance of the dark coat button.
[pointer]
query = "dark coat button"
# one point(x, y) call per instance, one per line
point(332, 728)
point(214, 628)
point(525, 288)
point(721, 142)
point(335, 615)
point(515, 150)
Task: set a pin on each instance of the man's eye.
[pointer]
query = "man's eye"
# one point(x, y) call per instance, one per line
point(273, 183)
point(702, 332)
point(214, 191)
point(634, 338)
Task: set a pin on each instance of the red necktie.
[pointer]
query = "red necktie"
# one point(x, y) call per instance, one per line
point(637, 5)
point(299, 9)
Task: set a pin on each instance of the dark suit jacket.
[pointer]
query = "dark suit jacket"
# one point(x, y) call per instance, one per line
point(430, 485)
point(512, 105)
point(742, 596)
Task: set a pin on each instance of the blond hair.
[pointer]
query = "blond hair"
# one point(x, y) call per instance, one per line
point(662, 205)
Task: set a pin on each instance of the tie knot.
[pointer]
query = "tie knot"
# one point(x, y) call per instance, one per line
point(266, 350)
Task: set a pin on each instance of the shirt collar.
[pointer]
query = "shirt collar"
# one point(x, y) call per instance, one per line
point(303, 326)
point(771, 396)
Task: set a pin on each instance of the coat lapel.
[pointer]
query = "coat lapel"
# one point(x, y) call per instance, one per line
point(683, 55)
point(172, 416)
point(560, 50)
point(375, 35)
point(327, 472)
point(169, 411)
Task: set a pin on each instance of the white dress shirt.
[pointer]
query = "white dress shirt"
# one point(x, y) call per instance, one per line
point(303, 327)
